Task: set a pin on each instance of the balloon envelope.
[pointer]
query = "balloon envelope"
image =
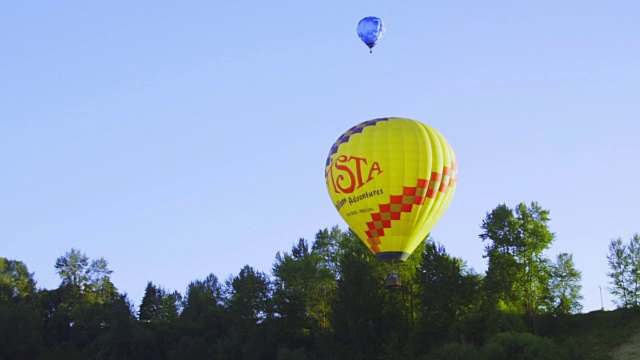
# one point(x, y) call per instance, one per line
point(391, 179)
point(370, 30)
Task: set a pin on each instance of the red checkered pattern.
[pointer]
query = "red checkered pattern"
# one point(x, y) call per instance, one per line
point(399, 203)
point(404, 203)
point(454, 174)
point(441, 182)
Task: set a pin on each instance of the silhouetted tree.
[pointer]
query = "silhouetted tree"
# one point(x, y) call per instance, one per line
point(248, 300)
point(358, 310)
point(20, 331)
point(151, 305)
point(448, 292)
point(204, 315)
point(304, 288)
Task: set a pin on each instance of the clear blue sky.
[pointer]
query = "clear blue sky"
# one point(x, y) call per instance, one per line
point(181, 139)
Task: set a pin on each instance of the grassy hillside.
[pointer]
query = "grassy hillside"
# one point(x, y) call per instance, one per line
point(597, 335)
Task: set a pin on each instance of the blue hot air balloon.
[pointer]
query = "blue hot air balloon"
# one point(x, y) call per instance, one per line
point(370, 30)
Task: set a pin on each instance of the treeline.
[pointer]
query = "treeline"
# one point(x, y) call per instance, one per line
point(323, 300)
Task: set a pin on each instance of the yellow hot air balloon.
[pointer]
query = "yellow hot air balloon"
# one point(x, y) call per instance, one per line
point(391, 179)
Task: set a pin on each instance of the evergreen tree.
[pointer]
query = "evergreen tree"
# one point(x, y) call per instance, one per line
point(159, 315)
point(151, 304)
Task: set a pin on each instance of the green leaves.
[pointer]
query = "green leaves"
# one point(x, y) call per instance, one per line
point(519, 273)
point(84, 280)
point(159, 304)
point(447, 292)
point(324, 299)
point(564, 286)
point(624, 265)
point(16, 283)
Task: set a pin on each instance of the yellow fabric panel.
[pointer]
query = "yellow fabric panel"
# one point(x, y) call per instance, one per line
point(391, 179)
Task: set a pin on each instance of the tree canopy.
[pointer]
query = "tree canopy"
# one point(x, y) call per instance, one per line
point(322, 299)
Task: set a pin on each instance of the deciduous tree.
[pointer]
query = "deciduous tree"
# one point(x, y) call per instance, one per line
point(85, 280)
point(624, 265)
point(564, 286)
point(517, 277)
point(16, 282)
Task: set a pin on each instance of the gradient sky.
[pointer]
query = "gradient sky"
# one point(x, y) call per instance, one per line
point(182, 139)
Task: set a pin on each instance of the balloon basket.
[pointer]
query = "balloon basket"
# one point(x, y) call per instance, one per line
point(393, 280)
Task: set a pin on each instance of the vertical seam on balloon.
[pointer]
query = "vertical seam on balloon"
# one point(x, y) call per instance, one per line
point(406, 170)
point(372, 245)
point(450, 190)
point(415, 133)
point(435, 174)
point(439, 200)
point(425, 170)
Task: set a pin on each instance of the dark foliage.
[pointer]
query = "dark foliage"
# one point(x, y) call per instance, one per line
point(323, 300)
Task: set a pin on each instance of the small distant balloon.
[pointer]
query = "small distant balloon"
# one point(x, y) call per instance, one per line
point(370, 30)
